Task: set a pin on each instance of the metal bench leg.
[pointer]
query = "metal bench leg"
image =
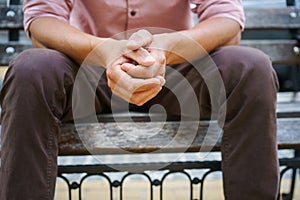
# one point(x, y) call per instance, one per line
point(295, 79)
point(289, 196)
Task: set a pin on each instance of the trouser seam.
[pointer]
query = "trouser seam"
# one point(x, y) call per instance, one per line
point(50, 161)
point(225, 153)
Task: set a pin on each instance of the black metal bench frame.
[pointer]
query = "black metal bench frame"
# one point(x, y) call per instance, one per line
point(282, 51)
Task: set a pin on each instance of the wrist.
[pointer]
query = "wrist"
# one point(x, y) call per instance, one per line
point(170, 43)
point(162, 42)
point(108, 50)
point(179, 47)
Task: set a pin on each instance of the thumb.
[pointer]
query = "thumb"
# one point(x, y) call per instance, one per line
point(139, 39)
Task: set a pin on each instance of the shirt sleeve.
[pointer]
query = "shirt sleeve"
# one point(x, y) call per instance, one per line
point(33, 9)
point(232, 9)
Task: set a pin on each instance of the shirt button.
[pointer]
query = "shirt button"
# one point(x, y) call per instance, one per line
point(133, 13)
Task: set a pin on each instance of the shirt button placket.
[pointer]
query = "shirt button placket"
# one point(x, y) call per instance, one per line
point(132, 13)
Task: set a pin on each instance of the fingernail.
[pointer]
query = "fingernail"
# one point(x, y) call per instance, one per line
point(132, 43)
point(126, 67)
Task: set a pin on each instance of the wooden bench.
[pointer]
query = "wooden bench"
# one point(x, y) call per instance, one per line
point(283, 51)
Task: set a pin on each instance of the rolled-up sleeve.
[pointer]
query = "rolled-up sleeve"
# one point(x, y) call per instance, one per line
point(232, 9)
point(33, 9)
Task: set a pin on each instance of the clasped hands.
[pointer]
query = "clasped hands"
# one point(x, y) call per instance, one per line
point(137, 75)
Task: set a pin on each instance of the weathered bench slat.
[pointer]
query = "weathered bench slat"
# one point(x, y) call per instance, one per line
point(288, 109)
point(175, 166)
point(280, 51)
point(125, 137)
point(272, 18)
point(257, 18)
point(11, 17)
point(10, 50)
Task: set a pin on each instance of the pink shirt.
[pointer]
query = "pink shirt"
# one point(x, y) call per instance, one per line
point(106, 18)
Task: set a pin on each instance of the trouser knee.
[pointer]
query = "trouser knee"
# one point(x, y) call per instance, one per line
point(248, 70)
point(40, 76)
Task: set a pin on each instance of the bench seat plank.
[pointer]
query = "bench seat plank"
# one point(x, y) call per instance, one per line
point(108, 138)
point(288, 109)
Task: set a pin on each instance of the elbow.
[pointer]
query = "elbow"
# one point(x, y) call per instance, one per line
point(36, 43)
point(235, 40)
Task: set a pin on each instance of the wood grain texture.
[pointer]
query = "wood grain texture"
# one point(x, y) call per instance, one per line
point(280, 51)
point(157, 137)
point(11, 17)
point(272, 18)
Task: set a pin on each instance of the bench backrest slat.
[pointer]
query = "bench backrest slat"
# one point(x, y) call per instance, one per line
point(272, 18)
point(11, 50)
point(257, 18)
point(11, 17)
point(281, 51)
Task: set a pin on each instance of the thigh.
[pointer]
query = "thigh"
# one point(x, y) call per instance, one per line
point(61, 82)
point(185, 93)
point(204, 85)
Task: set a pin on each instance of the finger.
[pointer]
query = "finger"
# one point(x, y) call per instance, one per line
point(161, 79)
point(117, 76)
point(139, 39)
point(140, 71)
point(115, 73)
point(140, 98)
point(141, 56)
point(137, 71)
point(137, 96)
point(134, 85)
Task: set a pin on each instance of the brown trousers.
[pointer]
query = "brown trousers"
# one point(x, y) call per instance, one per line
point(36, 98)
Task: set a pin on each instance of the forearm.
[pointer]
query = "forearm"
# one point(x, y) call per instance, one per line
point(201, 39)
point(47, 32)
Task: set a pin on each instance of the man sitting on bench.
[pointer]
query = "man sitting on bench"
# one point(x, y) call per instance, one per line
point(37, 90)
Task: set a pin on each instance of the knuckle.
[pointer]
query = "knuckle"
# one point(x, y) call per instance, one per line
point(160, 57)
point(143, 32)
point(146, 33)
point(130, 88)
point(138, 99)
point(140, 103)
point(162, 71)
point(134, 99)
point(109, 72)
point(140, 32)
point(148, 74)
point(111, 85)
point(162, 60)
